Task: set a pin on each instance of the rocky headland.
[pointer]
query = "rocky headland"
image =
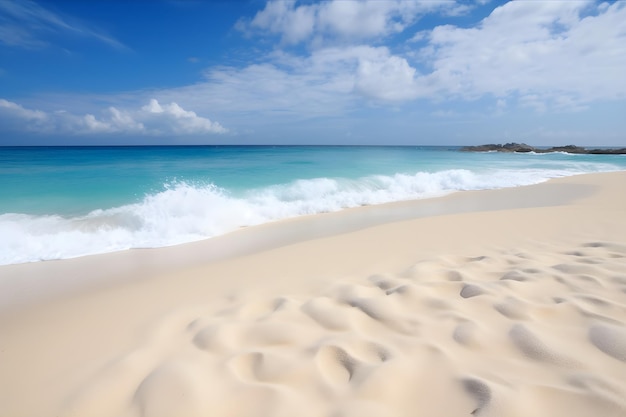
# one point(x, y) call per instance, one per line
point(524, 148)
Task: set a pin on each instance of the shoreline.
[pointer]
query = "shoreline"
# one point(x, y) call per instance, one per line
point(17, 279)
point(509, 301)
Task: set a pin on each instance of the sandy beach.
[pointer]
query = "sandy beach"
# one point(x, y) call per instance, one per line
point(501, 303)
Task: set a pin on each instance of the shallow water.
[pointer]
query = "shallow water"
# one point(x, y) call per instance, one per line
point(61, 202)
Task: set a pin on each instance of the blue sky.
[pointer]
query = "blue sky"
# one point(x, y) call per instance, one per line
point(307, 72)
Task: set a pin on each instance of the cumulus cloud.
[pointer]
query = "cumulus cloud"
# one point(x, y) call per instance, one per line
point(387, 77)
point(328, 82)
point(151, 119)
point(288, 86)
point(282, 17)
point(549, 54)
point(341, 19)
point(540, 55)
point(537, 55)
point(172, 117)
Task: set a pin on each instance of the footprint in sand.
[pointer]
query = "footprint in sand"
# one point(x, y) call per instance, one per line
point(577, 269)
point(596, 385)
point(382, 311)
point(383, 282)
point(514, 276)
point(594, 245)
point(370, 352)
point(609, 339)
point(534, 348)
point(479, 391)
point(336, 365)
point(454, 275)
point(471, 290)
point(339, 366)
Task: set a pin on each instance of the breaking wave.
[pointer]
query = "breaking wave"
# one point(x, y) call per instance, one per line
point(185, 212)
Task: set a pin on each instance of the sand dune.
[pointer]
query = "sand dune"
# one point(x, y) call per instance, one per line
point(525, 319)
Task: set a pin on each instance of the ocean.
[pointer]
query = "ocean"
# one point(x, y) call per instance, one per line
point(64, 202)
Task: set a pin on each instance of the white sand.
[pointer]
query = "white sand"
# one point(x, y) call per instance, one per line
point(499, 303)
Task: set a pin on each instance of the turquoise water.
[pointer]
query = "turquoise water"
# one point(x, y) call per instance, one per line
point(66, 202)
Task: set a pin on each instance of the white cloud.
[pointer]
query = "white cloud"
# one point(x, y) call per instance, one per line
point(172, 117)
point(341, 19)
point(538, 54)
point(19, 112)
point(328, 82)
point(550, 53)
point(288, 86)
point(113, 120)
point(294, 23)
point(151, 119)
point(122, 121)
point(387, 77)
point(525, 57)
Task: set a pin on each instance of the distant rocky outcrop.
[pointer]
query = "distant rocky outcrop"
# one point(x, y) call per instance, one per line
point(523, 148)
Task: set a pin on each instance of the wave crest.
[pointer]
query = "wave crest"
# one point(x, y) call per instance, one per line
point(184, 212)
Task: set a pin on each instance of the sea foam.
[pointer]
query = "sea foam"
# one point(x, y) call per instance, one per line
point(185, 212)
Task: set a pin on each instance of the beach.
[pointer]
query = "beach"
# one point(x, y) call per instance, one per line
point(508, 302)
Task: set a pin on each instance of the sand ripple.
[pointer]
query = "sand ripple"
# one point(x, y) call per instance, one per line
point(501, 334)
